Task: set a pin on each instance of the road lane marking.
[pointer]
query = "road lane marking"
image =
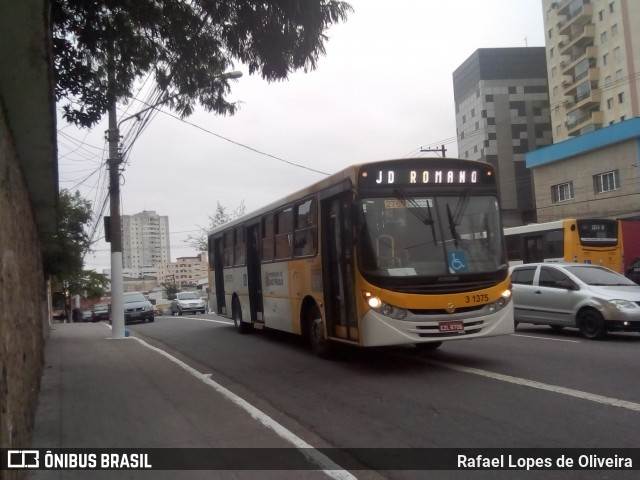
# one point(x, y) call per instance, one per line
point(614, 402)
point(545, 338)
point(314, 456)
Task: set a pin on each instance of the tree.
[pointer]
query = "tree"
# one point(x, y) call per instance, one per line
point(186, 44)
point(63, 251)
point(220, 217)
point(170, 289)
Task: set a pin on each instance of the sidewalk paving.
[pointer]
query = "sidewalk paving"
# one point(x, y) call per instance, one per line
point(98, 392)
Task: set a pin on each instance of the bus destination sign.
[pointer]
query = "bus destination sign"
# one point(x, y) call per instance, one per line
point(406, 176)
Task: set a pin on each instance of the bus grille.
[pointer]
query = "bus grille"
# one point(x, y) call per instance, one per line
point(442, 311)
point(437, 288)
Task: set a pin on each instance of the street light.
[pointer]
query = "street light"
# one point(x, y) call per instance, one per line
point(117, 283)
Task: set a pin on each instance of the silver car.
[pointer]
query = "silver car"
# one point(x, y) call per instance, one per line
point(594, 299)
point(187, 302)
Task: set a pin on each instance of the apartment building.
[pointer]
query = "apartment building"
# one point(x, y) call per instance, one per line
point(145, 242)
point(593, 57)
point(502, 112)
point(185, 271)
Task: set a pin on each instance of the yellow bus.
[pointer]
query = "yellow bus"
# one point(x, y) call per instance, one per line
point(407, 251)
point(590, 240)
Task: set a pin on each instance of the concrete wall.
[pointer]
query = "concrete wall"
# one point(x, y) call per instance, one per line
point(23, 300)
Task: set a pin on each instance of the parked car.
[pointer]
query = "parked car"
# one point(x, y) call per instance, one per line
point(100, 312)
point(188, 302)
point(86, 315)
point(594, 299)
point(137, 308)
point(633, 271)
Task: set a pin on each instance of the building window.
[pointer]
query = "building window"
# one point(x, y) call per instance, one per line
point(551, 33)
point(606, 182)
point(621, 97)
point(607, 80)
point(551, 52)
point(609, 103)
point(619, 74)
point(612, 7)
point(616, 53)
point(561, 192)
point(603, 37)
point(553, 72)
point(614, 30)
point(605, 59)
point(601, 15)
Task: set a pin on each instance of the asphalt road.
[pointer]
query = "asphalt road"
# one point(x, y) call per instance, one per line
point(534, 389)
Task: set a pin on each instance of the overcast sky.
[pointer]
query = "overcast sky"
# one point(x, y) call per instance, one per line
point(384, 90)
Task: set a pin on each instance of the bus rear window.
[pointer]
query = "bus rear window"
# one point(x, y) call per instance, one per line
point(598, 232)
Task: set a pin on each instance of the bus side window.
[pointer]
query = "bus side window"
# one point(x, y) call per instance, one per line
point(306, 230)
point(240, 247)
point(228, 249)
point(284, 233)
point(554, 244)
point(267, 238)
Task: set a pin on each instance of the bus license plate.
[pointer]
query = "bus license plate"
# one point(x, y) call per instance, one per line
point(451, 326)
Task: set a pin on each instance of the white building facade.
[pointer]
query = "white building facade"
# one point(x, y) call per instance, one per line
point(145, 243)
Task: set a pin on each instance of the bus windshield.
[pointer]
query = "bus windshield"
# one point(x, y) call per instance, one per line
point(430, 236)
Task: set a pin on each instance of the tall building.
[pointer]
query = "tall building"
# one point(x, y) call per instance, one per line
point(145, 242)
point(593, 54)
point(502, 112)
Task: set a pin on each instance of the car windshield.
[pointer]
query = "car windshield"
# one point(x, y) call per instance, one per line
point(599, 276)
point(134, 297)
point(425, 236)
point(188, 296)
point(100, 308)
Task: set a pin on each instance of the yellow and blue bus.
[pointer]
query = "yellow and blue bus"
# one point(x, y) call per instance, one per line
point(589, 240)
point(407, 251)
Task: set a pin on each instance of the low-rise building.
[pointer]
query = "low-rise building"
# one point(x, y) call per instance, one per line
point(186, 272)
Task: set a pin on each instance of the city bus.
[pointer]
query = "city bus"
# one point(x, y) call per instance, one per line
point(407, 251)
point(590, 240)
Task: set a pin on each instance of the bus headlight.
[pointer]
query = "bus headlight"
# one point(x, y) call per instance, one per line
point(501, 302)
point(384, 308)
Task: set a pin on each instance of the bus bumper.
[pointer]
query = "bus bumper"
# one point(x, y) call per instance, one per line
point(380, 330)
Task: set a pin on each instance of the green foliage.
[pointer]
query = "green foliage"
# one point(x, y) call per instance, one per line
point(187, 45)
point(63, 252)
point(170, 289)
point(199, 241)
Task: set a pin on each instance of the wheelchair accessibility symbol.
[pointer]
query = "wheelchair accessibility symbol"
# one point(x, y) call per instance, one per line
point(457, 261)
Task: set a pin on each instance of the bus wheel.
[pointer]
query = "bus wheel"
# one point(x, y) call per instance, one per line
point(428, 347)
point(591, 324)
point(319, 342)
point(241, 327)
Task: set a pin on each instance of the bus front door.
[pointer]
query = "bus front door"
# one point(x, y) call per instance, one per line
point(219, 276)
point(254, 272)
point(338, 268)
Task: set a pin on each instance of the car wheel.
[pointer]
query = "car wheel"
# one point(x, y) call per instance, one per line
point(591, 324)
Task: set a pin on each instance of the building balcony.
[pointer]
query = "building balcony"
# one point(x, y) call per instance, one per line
point(570, 84)
point(578, 41)
point(570, 62)
point(583, 119)
point(576, 19)
point(584, 100)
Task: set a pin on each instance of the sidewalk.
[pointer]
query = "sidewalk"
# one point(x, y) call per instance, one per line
point(98, 392)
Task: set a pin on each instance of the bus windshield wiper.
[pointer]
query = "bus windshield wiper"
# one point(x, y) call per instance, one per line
point(415, 208)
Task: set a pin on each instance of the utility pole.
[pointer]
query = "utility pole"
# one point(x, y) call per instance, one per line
point(115, 160)
point(441, 150)
point(113, 136)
